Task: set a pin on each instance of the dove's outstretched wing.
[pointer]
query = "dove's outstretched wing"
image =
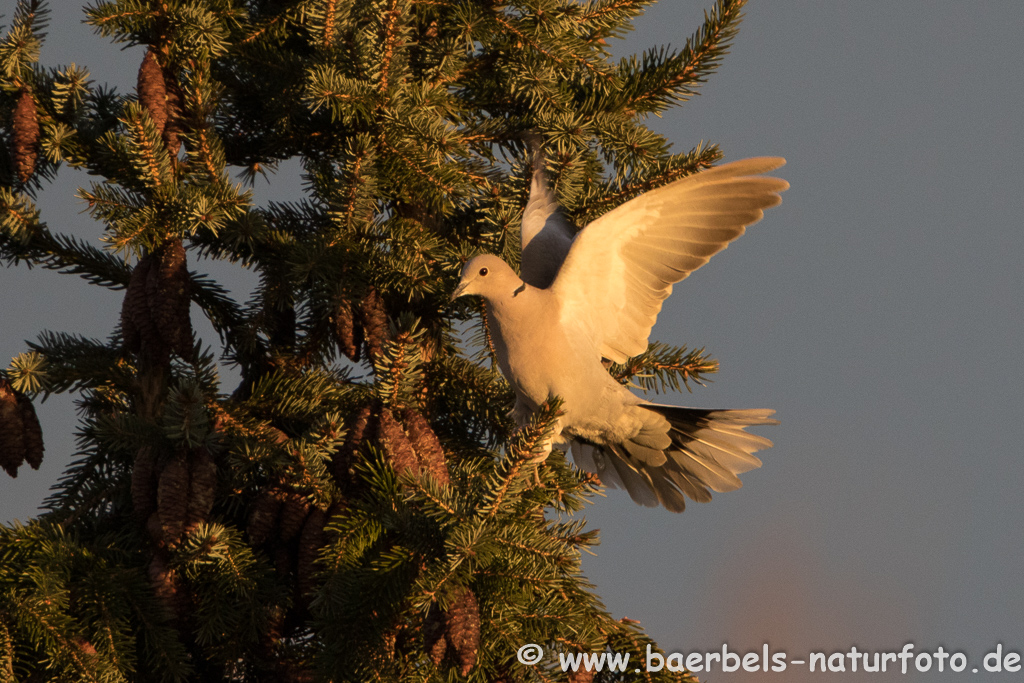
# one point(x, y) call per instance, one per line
point(546, 234)
point(622, 266)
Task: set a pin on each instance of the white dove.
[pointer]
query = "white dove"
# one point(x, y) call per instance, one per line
point(595, 295)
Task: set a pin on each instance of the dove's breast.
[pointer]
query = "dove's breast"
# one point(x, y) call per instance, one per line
point(541, 359)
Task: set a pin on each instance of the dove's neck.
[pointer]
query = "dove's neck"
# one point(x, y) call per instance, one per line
point(514, 303)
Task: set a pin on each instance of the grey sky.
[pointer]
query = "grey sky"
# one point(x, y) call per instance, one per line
point(879, 310)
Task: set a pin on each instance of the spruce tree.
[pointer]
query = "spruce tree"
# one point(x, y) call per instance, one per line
point(359, 507)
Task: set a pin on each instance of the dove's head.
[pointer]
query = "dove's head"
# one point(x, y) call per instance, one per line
point(488, 276)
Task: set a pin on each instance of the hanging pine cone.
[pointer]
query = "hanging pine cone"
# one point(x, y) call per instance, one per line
point(137, 326)
point(347, 334)
point(284, 560)
point(374, 321)
point(25, 141)
point(167, 292)
point(292, 672)
point(175, 113)
point(202, 488)
point(12, 431)
point(263, 516)
point(363, 425)
point(293, 514)
point(433, 634)
point(396, 443)
point(428, 448)
point(144, 482)
point(32, 433)
point(581, 675)
point(6, 652)
point(310, 542)
point(166, 585)
point(463, 629)
point(172, 498)
point(155, 530)
point(152, 90)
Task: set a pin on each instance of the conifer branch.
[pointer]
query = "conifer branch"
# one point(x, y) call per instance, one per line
point(665, 368)
point(389, 39)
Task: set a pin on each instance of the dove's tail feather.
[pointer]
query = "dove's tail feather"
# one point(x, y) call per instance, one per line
point(709, 448)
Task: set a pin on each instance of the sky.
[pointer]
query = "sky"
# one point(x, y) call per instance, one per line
point(879, 310)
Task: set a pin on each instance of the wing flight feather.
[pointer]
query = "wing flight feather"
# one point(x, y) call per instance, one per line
point(621, 267)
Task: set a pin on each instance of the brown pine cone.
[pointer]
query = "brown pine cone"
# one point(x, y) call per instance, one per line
point(84, 646)
point(137, 326)
point(433, 634)
point(292, 672)
point(363, 425)
point(581, 675)
point(172, 498)
point(167, 292)
point(25, 141)
point(293, 514)
point(428, 447)
point(144, 482)
point(202, 488)
point(263, 516)
point(374, 321)
point(32, 433)
point(284, 559)
point(175, 113)
point(396, 443)
point(166, 585)
point(463, 629)
point(6, 653)
point(310, 543)
point(156, 530)
point(347, 334)
point(152, 90)
point(12, 431)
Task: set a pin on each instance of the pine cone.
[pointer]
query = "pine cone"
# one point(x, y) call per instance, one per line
point(346, 333)
point(12, 431)
point(364, 424)
point(167, 292)
point(175, 113)
point(144, 482)
point(172, 498)
point(263, 516)
point(137, 326)
point(155, 530)
point(463, 629)
point(581, 675)
point(32, 434)
point(293, 514)
point(26, 135)
point(284, 560)
point(433, 634)
point(152, 90)
point(291, 672)
point(396, 443)
point(166, 585)
point(310, 543)
point(202, 488)
point(85, 647)
point(374, 321)
point(428, 448)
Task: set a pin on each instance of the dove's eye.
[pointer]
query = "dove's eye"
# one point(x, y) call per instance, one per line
point(483, 271)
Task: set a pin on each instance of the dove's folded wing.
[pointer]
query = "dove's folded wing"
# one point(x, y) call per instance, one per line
point(546, 234)
point(622, 266)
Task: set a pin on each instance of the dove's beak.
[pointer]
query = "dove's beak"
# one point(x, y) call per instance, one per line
point(459, 290)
